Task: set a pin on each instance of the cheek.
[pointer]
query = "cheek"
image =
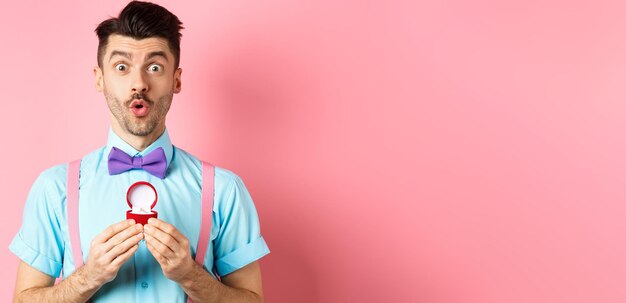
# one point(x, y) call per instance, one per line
point(113, 86)
point(162, 85)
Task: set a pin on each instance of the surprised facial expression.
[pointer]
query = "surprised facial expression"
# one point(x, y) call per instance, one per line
point(138, 79)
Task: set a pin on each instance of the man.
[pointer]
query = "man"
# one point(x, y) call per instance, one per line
point(138, 73)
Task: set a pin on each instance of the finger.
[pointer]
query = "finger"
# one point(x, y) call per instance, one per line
point(162, 237)
point(157, 255)
point(121, 248)
point(112, 231)
point(167, 228)
point(122, 236)
point(121, 259)
point(163, 249)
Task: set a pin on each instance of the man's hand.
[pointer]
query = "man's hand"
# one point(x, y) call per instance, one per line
point(170, 248)
point(111, 248)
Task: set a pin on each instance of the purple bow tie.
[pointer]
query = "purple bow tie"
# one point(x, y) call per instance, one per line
point(154, 162)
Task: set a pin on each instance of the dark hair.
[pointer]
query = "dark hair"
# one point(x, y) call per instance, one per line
point(140, 20)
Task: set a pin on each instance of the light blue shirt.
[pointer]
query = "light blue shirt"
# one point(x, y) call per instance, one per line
point(235, 233)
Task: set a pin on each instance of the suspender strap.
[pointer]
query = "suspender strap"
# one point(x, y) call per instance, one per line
point(208, 177)
point(73, 172)
point(208, 189)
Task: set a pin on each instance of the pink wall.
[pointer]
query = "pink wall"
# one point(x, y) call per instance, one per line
point(465, 151)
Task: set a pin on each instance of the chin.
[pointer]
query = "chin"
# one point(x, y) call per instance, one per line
point(141, 131)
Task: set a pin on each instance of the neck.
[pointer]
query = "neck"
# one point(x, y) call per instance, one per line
point(138, 142)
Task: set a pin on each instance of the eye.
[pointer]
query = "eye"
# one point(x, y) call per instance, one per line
point(155, 68)
point(121, 67)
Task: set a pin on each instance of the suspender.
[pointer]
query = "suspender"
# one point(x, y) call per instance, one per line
point(208, 181)
point(73, 172)
point(208, 189)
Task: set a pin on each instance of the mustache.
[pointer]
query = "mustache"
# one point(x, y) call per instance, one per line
point(139, 96)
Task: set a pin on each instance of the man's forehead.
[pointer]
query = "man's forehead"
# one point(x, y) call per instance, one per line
point(138, 47)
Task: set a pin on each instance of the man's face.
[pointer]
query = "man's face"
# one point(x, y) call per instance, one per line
point(138, 80)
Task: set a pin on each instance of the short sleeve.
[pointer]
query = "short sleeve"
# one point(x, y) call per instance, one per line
point(39, 241)
point(239, 241)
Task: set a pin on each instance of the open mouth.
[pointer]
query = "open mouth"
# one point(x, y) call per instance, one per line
point(139, 108)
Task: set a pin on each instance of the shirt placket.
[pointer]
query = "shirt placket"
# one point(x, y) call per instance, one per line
point(144, 282)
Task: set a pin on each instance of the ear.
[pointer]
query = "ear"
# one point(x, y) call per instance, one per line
point(177, 83)
point(97, 72)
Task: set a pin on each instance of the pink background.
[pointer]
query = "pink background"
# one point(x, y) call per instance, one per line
point(397, 151)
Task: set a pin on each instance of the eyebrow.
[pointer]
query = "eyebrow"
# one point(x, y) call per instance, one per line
point(120, 53)
point(129, 56)
point(157, 54)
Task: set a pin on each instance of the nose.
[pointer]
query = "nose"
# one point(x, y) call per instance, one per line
point(139, 82)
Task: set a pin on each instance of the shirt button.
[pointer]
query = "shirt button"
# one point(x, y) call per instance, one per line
point(144, 285)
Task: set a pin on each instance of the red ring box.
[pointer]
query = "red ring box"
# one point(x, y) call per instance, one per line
point(139, 195)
